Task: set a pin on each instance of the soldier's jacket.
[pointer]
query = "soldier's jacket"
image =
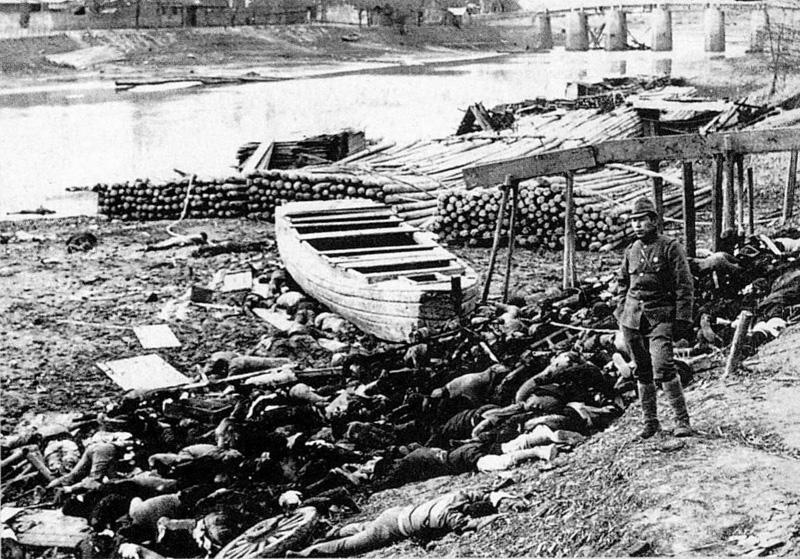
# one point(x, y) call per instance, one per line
point(654, 282)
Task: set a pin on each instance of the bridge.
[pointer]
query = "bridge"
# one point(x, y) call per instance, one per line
point(612, 32)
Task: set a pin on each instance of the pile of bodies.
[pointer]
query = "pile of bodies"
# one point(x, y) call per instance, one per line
point(184, 472)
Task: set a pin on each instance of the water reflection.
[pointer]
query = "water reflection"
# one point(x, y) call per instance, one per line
point(51, 140)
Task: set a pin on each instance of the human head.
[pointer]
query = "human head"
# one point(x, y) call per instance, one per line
point(644, 218)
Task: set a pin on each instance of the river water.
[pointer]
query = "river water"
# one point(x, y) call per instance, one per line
point(82, 134)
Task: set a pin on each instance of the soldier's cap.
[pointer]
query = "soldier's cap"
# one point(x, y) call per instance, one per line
point(642, 207)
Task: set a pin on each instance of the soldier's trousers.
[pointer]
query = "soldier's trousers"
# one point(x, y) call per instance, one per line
point(651, 349)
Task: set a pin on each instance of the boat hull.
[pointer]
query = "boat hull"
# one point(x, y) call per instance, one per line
point(391, 308)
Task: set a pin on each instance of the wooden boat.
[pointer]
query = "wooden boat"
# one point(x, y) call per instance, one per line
point(363, 262)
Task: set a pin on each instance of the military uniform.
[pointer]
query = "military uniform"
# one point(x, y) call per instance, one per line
point(657, 291)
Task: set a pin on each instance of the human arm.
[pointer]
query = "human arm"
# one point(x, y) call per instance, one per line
point(683, 285)
point(623, 282)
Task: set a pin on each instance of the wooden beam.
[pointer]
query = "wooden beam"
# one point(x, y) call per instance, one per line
point(511, 224)
point(689, 219)
point(788, 193)
point(658, 193)
point(664, 148)
point(551, 163)
point(729, 207)
point(716, 201)
point(569, 232)
point(739, 193)
point(751, 210)
point(501, 212)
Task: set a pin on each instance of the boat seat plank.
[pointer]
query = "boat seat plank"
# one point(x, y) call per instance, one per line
point(348, 224)
point(373, 277)
point(403, 228)
point(386, 259)
point(298, 209)
point(303, 219)
point(333, 253)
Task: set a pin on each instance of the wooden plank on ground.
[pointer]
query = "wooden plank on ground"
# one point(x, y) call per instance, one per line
point(155, 336)
point(48, 528)
point(143, 372)
point(277, 319)
point(237, 281)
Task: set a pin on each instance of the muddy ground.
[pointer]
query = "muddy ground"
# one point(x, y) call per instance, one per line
point(732, 489)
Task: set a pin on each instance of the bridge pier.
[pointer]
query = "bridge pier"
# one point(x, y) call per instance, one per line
point(543, 32)
point(577, 32)
point(661, 24)
point(758, 27)
point(714, 27)
point(615, 34)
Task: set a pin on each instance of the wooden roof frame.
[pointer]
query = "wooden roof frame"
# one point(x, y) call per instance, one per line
point(654, 148)
point(726, 150)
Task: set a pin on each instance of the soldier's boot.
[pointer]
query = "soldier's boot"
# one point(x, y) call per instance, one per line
point(647, 399)
point(674, 393)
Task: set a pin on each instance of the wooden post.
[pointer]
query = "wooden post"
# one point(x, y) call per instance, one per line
point(511, 224)
point(739, 193)
point(569, 232)
point(716, 202)
point(457, 295)
point(689, 218)
point(501, 212)
point(751, 210)
point(658, 193)
point(788, 193)
point(735, 356)
point(729, 212)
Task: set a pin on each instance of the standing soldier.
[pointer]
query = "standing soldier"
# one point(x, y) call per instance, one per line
point(655, 308)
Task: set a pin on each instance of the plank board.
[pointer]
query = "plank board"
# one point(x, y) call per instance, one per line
point(376, 250)
point(48, 528)
point(666, 148)
point(297, 220)
point(390, 257)
point(276, 319)
point(403, 228)
point(345, 224)
point(373, 277)
point(143, 372)
point(154, 336)
point(328, 207)
point(237, 281)
point(551, 163)
point(399, 259)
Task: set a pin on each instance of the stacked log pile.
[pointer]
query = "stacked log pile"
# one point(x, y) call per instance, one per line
point(602, 205)
point(255, 196)
point(408, 177)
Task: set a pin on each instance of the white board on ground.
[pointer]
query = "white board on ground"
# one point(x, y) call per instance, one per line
point(48, 528)
point(144, 372)
point(154, 336)
point(277, 319)
point(237, 281)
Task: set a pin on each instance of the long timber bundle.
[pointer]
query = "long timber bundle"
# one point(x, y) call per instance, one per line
point(415, 179)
